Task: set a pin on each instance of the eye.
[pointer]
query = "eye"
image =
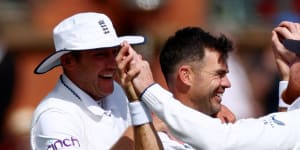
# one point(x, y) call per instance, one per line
point(116, 50)
point(100, 54)
point(221, 74)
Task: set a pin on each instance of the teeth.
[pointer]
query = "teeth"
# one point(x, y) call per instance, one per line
point(220, 96)
point(108, 75)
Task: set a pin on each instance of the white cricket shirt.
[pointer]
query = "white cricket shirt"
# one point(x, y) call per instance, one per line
point(274, 131)
point(68, 118)
point(170, 144)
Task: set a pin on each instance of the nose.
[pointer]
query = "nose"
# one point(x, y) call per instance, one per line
point(225, 82)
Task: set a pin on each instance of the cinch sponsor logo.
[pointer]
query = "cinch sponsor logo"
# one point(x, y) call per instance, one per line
point(72, 142)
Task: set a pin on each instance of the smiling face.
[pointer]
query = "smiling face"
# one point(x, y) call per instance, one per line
point(93, 70)
point(193, 63)
point(208, 82)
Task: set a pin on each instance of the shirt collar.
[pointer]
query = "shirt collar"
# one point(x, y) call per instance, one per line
point(87, 100)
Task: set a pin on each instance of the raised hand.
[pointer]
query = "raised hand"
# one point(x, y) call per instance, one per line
point(287, 62)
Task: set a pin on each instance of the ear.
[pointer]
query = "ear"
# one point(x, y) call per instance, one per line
point(185, 74)
point(67, 61)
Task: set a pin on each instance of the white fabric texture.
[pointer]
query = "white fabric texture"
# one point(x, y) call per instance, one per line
point(274, 131)
point(295, 105)
point(169, 144)
point(73, 120)
point(140, 114)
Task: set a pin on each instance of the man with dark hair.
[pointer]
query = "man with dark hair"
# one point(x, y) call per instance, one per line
point(197, 74)
point(194, 64)
point(274, 131)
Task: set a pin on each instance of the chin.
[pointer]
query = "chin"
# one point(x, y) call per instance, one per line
point(216, 109)
point(108, 91)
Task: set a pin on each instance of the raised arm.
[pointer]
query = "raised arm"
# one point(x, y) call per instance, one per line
point(285, 59)
point(145, 135)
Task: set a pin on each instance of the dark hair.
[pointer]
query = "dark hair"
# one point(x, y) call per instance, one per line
point(188, 45)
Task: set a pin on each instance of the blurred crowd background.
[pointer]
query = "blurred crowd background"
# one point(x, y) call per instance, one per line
point(26, 38)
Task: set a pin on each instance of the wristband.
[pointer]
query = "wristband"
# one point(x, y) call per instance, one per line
point(140, 114)
point(282, 87)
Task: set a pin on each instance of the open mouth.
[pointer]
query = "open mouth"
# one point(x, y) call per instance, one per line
point(107, 76)
point(219, 97)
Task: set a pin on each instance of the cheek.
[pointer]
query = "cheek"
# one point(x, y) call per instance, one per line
point(93, 67)
point(212, 85)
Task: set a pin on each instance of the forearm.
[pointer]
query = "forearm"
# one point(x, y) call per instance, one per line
point(293, 88)
point(282, 106)
point(145, 135)
point(141, 137)
point(180, 119)
point(204, 132)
